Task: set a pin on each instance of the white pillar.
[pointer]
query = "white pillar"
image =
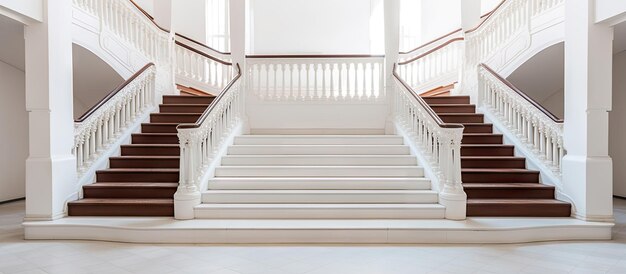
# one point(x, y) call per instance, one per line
point(392, 37)
point(587, 168)
point(470, 13)
point(238, 47)
point(50, 168)
point(164, 13)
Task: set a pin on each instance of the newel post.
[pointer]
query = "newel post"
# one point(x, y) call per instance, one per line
point(187, 196)
point(452, 195)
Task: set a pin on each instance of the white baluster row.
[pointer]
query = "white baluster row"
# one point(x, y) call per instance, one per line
point(317, 79)
point(443, 62)
point(200, 143)
point(199, 67)
point(127, 22)
point(101, 128)
point(539, 132)
point(440, 143)
point(540, 6)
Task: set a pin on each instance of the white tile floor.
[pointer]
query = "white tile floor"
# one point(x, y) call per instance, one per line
point(19, 256)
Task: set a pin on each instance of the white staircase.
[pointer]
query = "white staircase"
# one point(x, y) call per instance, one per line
point(319, 177)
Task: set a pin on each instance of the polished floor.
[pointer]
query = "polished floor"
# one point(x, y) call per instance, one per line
point(19, 256)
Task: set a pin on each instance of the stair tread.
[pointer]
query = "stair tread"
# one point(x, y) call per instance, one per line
point(486, 145)
point(139, 170)
point(499, 170)
point(186, 105)
point(517, 201)
point(482, 134)
point(115, 201)
point(321, 191)
point(151, 145)
point(145, 157)
point(177, 113)
point(319, 136)
point(451, 105)
point(492, 158)
point(460, 114)
point(131, 185)
point(155, 134)
point(507, 185)
point(320, 206)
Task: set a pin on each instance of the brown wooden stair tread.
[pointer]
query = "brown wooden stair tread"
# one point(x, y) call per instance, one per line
point(132, 185)
point(100, 201)
point(518, 202)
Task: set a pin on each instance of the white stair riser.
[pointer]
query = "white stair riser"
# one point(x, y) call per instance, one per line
point(219, 212)
point(254, 197)
point(299, 171)
point(319, 183)
point(319, 140)
point(312, 160)
point(318, 150)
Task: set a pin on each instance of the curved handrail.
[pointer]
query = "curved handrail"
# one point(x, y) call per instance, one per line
point(203, 54)
point(112, 94)
point(486, 17)
point(432, 42)
point(523, 95)
point(217, 99)
point(423, 103)
point(201, 44)
point(313, 56)
point(431, 51)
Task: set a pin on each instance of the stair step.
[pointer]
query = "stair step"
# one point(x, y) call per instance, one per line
point(453, 108)
point(319, 150)
point(462, 117)
point(478, 175)
point(319, 171)
point(319, 160)
point(319, 140)
point(174, 117)
point(145, 162)
point(174, 99)
point(320, 196)
point(159, 128)
point(183, 108)
point(482, 138)
point(487, 150)
point(518, 208)
point(478, 128)
point(493, 162)
point(319, 211)
point(138, 175)
point(155, 138)
point(121, 207)
point(151, 150)
point(130, 190)
point(509, 191)
point(439, 100)
point(323, 183)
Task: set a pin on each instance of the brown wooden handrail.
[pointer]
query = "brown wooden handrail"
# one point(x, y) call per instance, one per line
point(204, 54)
point(431, 51)
point(150, 17)
point(523, 94)
point(314, 56)
point(202, 44)
point(217, 99)
point(486, 17)
point(112, 94)
point(421, 101)
point(432, 42)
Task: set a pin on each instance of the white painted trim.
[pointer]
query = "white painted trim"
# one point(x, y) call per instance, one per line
point(167, 230)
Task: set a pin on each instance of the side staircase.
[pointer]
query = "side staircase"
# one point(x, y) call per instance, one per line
point(497, 182)
point(143, 180)
point(319, 177)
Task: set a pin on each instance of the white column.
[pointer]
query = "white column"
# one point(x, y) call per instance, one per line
point(587, 168)
point(239, 10)
point(392, 37)
point(51, 167)
point(470, 13)
point(164, 13)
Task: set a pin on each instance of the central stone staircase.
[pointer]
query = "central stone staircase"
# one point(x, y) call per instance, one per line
point(319, 177)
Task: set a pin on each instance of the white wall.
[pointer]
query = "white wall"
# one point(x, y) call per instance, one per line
point(190, 19)
point(147, 5)
point(423, 21)
point(617, 122)
point(542, 77)
point(311, 27)
point(93, 79)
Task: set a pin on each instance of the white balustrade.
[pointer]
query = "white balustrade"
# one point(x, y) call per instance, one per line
point(317, 78)
point(201, 66)
point(200, 142)
point(97, 130)
point(540, 131)
point(437, 66)
point(126, 21)
point(438, 142)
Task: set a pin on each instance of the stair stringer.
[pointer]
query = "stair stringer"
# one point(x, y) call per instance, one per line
point(546, 175)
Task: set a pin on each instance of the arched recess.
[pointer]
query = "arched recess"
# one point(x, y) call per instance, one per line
point(93, 79)
point(542, 77)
